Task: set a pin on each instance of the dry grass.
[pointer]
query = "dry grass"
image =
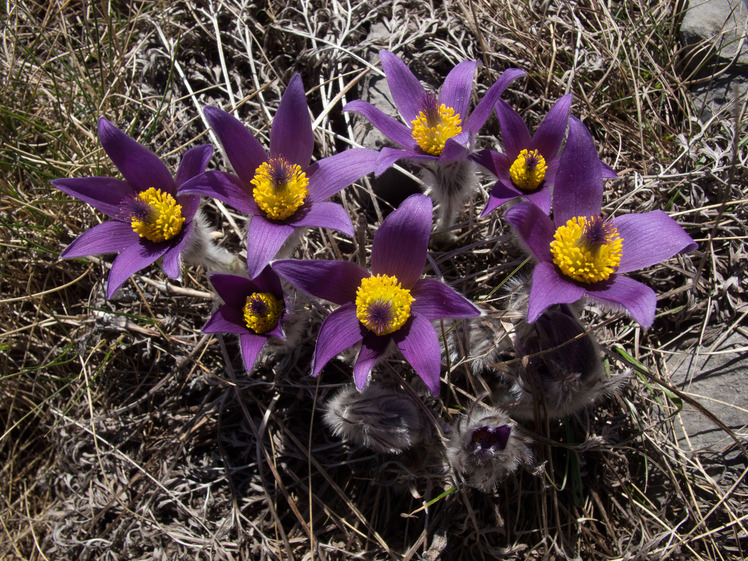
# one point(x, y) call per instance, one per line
point(128, 434)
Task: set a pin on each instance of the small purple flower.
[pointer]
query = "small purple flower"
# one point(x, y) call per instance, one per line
point(582, 254)
point(437, 129)
point(253, 309)
point(152, 215)
point(389, 304)
point(281, 190)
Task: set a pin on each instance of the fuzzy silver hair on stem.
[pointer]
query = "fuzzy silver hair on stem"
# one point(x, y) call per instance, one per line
point(201, 250)
point(449, 185)
point(485, 447)
point(377, 417)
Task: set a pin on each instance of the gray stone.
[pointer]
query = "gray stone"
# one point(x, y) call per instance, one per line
point(721, 21)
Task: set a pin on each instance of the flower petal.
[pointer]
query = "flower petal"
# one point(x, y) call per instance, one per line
point(435, 300)
point(534, 227)
point(418, 342)
point(105, 194)
point(392, 128)
point(500, 194)
point(340, 330)
point(224, 187)
point(130, 261)
point(329, 175)
point(548, 288)
point(400, 244)
point(405, 89)
point(172, 263)
point(189, 204)
point(514, 131)
point(541, 199)
point(550, 134)
point(251, 344)
point(109, 237)
point(267, 281)
point(233, 289)
point(372, 348)
point(494, 162)
point(482, 111)
point(193, 163)
point(138, 165)
point(388, 156)
point(637, 298)
point(578, 187)
point(244, 151)
point(325, 214)
point(457, 87)
point(227, 319)
point(336, 281)
point(455, 149)
point(291, 135)
point(264, 239)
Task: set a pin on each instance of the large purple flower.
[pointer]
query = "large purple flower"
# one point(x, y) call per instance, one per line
point(389, 304)
point(253, 309)
point(582, 254)
point(152, 215)
point(281, 190)
point(437, 128)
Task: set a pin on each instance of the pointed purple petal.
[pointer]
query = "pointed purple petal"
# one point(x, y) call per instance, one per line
point(325, 214)
point(227, 319)
point(224, 187)
point(405, 89)
point(388, 156)
point(514, 131)
point(105, 194)
point(340, 330)
point(548, 288)
point(268, 281)
point(435, 300)
point(189, 204)
point(233, 289)
point(650, 238)
point(330, 175)
point(608, 172)
point(534, 227)
point(291, 135)
point(638, 299)
point(457, 88)
point(550, 133)
point(578, 188)
point(482, 111)
point(243, 150)
point(455, 149)
point(336, 281)
point(393, 129)
point(138, 165)
point(251, 345)
point(372, 347)
point(130, 261)
point(541, 199)
point(420, 346)
point(109, 237)
point(500, 194)
point(193, 163)
point(400, 244)
point(264, 239)
point(172, 263)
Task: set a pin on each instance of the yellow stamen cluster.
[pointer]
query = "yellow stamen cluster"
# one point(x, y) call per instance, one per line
point(164, 219)
point(280, 188)
point(528, 170)
point(382, 305)
point(262, 311)
point(586, 249)
point(432, 131)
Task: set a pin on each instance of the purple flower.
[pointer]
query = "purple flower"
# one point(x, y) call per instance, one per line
point(529, 166)
point(253, 309)
point(389, 304)
point(281, 190)
point(152, 215)
point(582, 254)
point(437, 128)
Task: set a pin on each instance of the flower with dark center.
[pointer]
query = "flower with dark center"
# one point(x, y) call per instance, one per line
point(152, 215)
point(392, 304)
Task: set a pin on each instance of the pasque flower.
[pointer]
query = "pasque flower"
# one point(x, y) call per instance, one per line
point(280, 190)
point(253, 309)
point(437, 128)
point(152, 216)
point(582, 254)
point(390, 304)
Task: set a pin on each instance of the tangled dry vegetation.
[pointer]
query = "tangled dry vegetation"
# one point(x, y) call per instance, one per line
point(128, 434)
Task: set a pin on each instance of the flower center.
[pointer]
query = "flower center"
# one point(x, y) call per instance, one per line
point(528, 170)
point(382, 305)
point(434, 125)
point(280, 188)
point(262, 311)
point(587, 250)
point(491, 438)
point(155, 215)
